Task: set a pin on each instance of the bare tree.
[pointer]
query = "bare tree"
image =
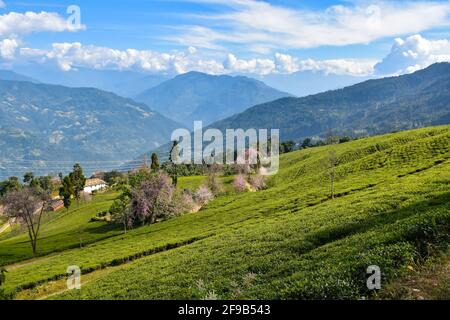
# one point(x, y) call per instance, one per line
point(331, 171)
point(27, 207)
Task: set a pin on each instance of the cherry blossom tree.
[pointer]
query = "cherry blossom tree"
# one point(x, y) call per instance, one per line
point(152, 199)
point(240, 184)
point(203, 195)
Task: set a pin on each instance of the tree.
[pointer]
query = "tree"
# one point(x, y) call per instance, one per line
point(213, 181)
point(28, 177)
point(307, 143)
point(78, 181)
point(345, 139)
point(203, 195)
point(331, 170)
point(112, 177)
point(120, 209)
point(287, 146)
point(2, 275)
point(240, 184)
point(66, 192)
point(173, 168)
point(155, 163)
point(152, 199)
point(12, 184)
point(27, 207)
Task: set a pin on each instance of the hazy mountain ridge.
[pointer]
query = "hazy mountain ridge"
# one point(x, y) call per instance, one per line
point(198, 96)
point(371, 107)
point(47, 122)
point(13, 76)
point(123, 83)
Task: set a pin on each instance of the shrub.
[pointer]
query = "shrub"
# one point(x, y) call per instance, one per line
point(258, 182)
point(203, 195)
point(240, 184)
point(214, 184)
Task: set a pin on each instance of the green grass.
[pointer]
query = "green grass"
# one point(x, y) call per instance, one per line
point(61, 230)
point(392, 209)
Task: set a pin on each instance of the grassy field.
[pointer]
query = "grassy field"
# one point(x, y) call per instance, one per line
point(291, 241)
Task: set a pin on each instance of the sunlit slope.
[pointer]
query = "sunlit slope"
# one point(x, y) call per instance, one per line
point(60, 231)
point(391, 208)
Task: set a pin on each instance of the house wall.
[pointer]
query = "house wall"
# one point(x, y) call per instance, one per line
point(94, 188)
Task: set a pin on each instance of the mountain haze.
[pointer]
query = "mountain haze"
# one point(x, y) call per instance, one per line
point(372, 107)
point(198, 96)
point(13, 76)
point(123, 83)
point(40, 123)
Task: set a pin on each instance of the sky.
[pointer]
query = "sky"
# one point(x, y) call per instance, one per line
point(355, 38)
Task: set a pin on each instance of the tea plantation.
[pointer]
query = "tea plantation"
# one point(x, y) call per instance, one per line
point(391, 208)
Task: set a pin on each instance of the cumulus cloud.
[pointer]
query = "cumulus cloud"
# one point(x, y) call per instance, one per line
point(72, 55)
point(15, 24)
point(356, 67)
point(255, 66)
point(262, 26)
point(413, 53)
point(8, 48)
point(408, 55)
point(69, 56)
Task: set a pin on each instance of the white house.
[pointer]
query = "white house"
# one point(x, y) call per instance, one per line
point(93, 185)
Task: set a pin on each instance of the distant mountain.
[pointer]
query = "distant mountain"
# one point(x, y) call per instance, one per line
point(375, 106)
point(124, 83)
point(198, 96)
point(42, 126)
point(11, 75)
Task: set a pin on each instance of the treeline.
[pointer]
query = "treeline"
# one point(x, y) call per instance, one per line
point(290, 145)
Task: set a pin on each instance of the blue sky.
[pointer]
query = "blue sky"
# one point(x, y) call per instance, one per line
point(226, 36)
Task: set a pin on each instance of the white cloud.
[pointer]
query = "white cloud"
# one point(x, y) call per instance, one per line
point(261, 26)
point(15, 24)
point(8, 48)
point(2, 4)
point(69, 56)
point(413, 53)
point(355, 67)
point(72, 55)
point(255, 66)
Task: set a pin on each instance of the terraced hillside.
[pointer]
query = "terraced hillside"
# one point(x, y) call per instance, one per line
point(291, 241)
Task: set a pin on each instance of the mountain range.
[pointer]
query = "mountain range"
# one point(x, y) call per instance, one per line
point(14, 76)
point(123, 83)
point(44, 125)
point(371, 107)
point(197, 96)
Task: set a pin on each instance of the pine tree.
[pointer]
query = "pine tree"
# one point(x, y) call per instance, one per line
point(155, 162)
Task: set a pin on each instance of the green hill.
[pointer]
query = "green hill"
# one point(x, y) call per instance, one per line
point(46, 128)
point(291, 241)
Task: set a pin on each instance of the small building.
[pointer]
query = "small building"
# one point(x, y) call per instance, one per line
point(94, 185)
point(55, 205)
